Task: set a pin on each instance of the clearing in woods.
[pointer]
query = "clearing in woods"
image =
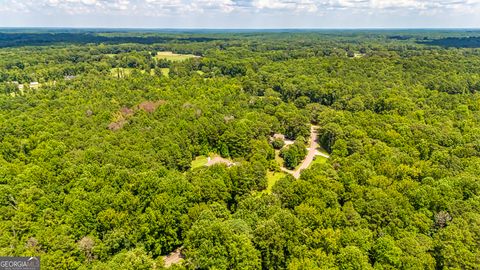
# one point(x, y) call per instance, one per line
point(174, 57)
point(313, 153)
point(212, 159)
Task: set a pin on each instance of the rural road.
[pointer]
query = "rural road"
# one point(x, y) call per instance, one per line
point(312, 152)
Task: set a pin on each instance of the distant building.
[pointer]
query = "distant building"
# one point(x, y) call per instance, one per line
point(70, 77)
point(34, 85)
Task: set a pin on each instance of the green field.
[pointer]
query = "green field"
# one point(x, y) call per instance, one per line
point(174, 57)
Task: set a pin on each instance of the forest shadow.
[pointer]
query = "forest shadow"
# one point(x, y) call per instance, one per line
point(453, 42)
point(41, 39)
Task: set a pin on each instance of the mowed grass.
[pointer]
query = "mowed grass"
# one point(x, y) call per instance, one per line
point(272, 178)
point(318, 160)
point(174, 57)
point(199, 161)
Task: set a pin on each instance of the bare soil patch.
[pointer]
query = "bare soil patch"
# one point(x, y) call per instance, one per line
point(173, 258)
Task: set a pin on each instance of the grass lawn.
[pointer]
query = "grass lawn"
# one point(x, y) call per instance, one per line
point(318, 160)
point(278, 159)
point(174, 57)
point(200, 161)
point(272, 178)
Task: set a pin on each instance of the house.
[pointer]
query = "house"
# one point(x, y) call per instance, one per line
point(70, 77)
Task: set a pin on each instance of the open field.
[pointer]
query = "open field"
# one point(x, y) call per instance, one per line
point(174, 57)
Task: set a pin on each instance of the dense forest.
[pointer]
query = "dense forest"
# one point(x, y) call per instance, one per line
point(102, 132)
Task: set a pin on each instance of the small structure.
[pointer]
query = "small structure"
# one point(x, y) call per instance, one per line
point(70, 77)
point(278, 136)
point(34, 85)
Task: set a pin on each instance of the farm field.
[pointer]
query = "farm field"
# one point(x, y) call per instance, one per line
point(170, 56)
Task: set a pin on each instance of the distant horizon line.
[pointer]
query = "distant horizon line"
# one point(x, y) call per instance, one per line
point(249, 28)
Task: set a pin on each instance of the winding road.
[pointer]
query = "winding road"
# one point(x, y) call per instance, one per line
point(312, 152)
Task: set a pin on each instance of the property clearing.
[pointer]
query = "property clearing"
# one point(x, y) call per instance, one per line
point(174, 57)
point(212, 159)
point(312, 152)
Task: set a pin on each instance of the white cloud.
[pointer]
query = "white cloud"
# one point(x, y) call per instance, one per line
point(185, 7)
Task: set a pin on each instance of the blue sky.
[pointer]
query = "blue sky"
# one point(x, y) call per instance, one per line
point(241, 13)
